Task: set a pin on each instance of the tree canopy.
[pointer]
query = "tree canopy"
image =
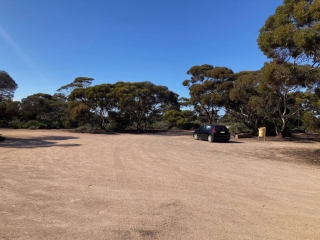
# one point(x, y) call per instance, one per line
point(209, 88)
point(7, 86)
point(293, 33)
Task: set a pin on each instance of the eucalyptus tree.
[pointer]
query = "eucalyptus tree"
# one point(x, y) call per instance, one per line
point(209, 89)
point(92, 104)
point(59, 109)
point(291, 38)
point(7, 86)
point(243, 95)
point(292, 33)
point(143, 101)
point(181, 119)
point(11, 110)
point(280, 90)
point(311, 112)
point(36, 107)
point(79, 82)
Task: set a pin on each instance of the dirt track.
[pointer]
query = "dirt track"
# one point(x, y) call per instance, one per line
point(62, 185)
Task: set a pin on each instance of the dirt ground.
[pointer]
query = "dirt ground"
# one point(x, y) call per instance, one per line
point(56, 184)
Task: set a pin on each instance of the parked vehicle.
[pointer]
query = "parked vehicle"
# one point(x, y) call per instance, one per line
point(212, 132)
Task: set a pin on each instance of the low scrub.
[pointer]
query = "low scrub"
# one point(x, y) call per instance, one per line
point(238, 128)
point(34, 124)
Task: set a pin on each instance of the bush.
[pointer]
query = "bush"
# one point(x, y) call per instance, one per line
point(238, 128)
point(311, 122)
point(301, 129)
point(186, 124)
point(161, 125)
point(3, 124)
point(15, 124)
point(112, 126)
point(88, 128)
point(34, 124)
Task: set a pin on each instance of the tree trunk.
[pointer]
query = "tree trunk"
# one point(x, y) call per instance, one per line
point(281, 132)
point(283, 128)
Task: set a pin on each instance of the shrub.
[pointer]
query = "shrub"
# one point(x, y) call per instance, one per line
point(3, 124)
point(15, 124)
point(238, 128)
point(161, 125)
point(301, 129)
point(311, 122)
point(34, 124)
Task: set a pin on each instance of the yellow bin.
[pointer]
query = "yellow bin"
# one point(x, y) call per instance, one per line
point(262, 133)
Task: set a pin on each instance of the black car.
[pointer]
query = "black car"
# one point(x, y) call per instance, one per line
point(212, 132)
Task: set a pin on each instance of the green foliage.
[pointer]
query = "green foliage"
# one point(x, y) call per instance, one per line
point(16, 123)
point(209, 89)
point(143, 101)
point(119, 105)
point(3, 124)
point(181, 119)
point(34, 124)
point(293, 32)
point(159, 125)
point(88, 128)
point(311, 122)
point(7, 86)
point(243, 97)
point(301, 129)
point(280, 91)
point(79, 82)
point(238, 127)
point(36, 106)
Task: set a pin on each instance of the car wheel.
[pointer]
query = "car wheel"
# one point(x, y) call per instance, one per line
point(210, 138)
point(227, 140)
point(195, 136)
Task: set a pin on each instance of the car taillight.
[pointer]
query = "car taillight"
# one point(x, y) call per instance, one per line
point(214, 130)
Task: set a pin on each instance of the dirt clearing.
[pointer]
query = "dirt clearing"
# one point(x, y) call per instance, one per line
point(61, 185)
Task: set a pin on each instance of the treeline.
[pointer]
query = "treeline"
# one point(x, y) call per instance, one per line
point(245, 101)
point(283, 95)
point(116, 106)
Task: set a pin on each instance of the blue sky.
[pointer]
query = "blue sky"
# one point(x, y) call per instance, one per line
point(46, 44)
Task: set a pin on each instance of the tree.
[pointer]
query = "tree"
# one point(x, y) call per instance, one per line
point(209, 89)
point(11, 110)
point(92, 104)
point(37, 107)
point(311, 114)
point(63, 95)
point(59, 109)
point(280, 90)
point(293, 33)
point(143, 101)
point(7, 86)
point(79, 82)
point(181, 119)
point(244, 89)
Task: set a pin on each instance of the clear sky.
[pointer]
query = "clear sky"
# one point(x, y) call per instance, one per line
point(46, 44)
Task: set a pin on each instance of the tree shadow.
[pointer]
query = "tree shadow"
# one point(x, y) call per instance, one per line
point(37, 142)
point(299, 138)
point(171, 132)
point(230, 142)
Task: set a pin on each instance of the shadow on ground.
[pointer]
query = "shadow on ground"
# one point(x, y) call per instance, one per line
point(45, 141)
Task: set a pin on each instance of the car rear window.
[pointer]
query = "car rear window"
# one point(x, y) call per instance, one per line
point(221, 128)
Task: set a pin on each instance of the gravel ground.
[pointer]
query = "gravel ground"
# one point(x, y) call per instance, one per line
point(56, 184)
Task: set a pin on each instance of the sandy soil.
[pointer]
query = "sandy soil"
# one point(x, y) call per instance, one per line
point(61, 185)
